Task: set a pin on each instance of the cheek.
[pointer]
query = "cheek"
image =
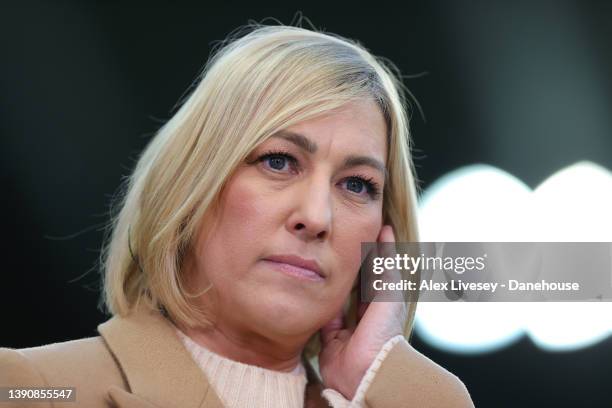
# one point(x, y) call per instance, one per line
point(243, 218)
point(244, 212)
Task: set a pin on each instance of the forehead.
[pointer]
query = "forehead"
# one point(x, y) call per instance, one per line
point(357, 128)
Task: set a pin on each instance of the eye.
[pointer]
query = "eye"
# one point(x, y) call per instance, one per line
point(355, 185)
point(362, 185)
point(278, 161)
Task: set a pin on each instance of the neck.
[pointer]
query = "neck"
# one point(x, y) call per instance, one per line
point(230, 337)
point(248, 347)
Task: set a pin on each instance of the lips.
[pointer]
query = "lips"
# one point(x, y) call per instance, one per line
point(294, 260)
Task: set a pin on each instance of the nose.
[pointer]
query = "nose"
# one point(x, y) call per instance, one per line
point(311, 218)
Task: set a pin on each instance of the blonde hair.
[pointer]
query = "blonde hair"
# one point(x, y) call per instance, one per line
point(254, 86)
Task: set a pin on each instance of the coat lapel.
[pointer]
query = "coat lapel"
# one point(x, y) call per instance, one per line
point(158, 369)
point(160, 372)
point(124, 399)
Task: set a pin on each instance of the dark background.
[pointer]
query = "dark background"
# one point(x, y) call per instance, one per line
point(524, 86)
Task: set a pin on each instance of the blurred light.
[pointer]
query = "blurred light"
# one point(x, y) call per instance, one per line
point(481, 203)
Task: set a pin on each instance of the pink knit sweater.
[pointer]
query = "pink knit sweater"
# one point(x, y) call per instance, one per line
point(241, 385)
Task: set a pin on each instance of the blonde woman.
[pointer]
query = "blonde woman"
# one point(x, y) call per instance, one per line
point(233, 260)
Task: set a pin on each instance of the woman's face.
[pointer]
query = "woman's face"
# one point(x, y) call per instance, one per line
point(312, 192)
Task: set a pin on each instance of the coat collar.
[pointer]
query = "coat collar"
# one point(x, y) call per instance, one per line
point(157, 367)
point(159, 370)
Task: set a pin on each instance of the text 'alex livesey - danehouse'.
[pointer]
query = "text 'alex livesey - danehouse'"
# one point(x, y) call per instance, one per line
point(487, 271)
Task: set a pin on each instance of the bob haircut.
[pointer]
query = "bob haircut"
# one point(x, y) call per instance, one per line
point(254, 86)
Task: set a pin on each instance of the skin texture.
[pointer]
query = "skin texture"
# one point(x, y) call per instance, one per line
point(313, 208)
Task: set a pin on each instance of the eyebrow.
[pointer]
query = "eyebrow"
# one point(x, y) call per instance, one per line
point(309, 146)
point(299, 140)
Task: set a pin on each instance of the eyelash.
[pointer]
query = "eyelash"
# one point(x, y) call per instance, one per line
point(371, 186)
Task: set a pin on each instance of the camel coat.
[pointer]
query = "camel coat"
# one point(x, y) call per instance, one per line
point(138, 361)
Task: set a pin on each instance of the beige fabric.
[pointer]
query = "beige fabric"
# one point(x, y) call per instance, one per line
point(259, 387)
point(272, 389)
point(139, 362)
point(409, 379)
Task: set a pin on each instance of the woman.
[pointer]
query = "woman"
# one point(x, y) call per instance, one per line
point(233, 262)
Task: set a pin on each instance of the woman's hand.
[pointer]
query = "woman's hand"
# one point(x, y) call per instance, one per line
point(347, 353)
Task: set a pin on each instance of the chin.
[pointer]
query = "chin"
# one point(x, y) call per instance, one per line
point(289, 318)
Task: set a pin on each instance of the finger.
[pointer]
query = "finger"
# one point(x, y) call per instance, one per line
point(363, 306)
point(379, 251)
point(383, 320)
point(386, 249)
point(385, 307)
point(386, 234)
point(331, 329)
